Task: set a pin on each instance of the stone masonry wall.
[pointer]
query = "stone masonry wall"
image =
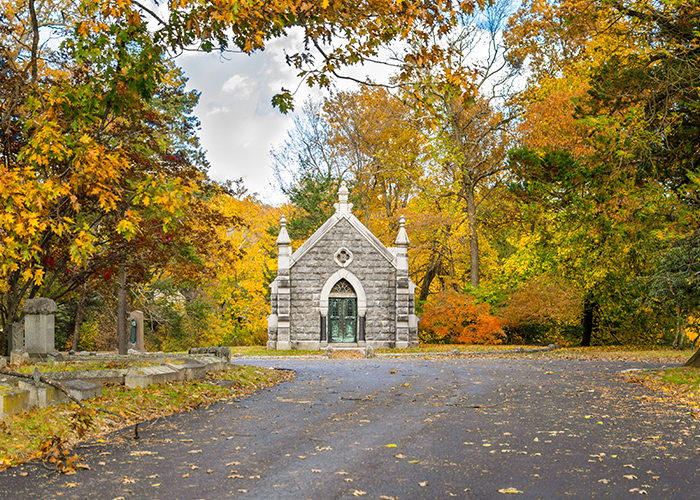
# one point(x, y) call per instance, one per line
point(310, 273)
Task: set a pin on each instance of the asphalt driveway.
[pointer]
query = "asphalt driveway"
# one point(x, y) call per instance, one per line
point(406, 429)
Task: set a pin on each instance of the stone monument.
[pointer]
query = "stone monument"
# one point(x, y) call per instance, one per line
point(39, 316)
point(135, 331)
point(16, 338)
point(342, 288)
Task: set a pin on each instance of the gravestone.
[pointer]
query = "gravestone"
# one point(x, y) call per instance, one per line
point(17, 336)
point(39, 316)
point(135, 331)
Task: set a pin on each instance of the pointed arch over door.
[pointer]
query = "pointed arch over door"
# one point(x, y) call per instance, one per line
point(356, 285)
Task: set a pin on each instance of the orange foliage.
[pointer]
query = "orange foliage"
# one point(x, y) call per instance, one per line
point(454, 317)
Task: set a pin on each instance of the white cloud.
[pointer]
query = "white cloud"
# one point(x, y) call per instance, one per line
point(238, 84)
point(215, 110)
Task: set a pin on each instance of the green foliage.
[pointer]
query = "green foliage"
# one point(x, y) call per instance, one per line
point(676, 281)
point(313, 198)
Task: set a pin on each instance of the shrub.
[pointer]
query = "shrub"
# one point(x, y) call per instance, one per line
point(450, 316)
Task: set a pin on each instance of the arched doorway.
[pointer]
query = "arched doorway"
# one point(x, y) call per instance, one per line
point(342, 313)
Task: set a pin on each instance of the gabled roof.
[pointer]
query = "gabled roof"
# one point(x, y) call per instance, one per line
point(355, 223)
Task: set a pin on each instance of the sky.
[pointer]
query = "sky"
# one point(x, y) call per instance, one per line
point(239, 126)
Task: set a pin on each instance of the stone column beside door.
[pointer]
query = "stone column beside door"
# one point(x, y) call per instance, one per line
point(39, 315)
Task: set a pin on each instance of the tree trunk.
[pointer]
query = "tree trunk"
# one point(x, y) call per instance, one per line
point(433, 268)
point(683, 329)
point(694, 361)
point(79, 313)
point(588, 309)
point(121, 310)
point(473, 240)
point(678, 327)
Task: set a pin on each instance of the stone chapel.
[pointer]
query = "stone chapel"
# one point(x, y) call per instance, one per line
point(342, 287)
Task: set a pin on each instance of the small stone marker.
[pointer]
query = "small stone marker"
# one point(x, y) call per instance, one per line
point(135, 329)
point(81, 389)
point(39, 316)
point(17, 337)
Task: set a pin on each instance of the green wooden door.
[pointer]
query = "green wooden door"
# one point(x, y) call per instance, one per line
point(342, 319)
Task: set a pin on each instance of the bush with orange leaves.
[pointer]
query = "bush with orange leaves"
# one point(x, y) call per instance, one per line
point(450, 317)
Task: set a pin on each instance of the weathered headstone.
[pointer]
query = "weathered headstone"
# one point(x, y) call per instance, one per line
point(17, 336)
point(39, 316)
point(135, 331)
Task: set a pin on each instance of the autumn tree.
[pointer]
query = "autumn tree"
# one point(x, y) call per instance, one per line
point(543, 300)
point(87, 165)
point(379, 141)
point(102, 171)
point(465, 93)
point(596, 205)
point(308, 171)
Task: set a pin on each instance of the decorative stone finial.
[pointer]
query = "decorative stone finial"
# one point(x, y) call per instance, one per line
point(402, 238)
point(343, 207)
point(283, 238)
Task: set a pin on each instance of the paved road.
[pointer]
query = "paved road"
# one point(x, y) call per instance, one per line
point(406, 429)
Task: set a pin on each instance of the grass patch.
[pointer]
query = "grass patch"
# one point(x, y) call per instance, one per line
point(255, 350)
point(40, 432)
point(687, 378)
point(680, 385)
point(85, 366)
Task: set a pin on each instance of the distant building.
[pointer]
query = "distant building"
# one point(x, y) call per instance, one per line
point(342, 286)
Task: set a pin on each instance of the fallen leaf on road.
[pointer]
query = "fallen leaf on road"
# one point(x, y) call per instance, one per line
point(604, 481)
point(186, 475)
point(630, 476)
point(390, 445)
point(400, 455)
point(423, 483)
point(509, 490)
point(195, 451)
point(359, 493)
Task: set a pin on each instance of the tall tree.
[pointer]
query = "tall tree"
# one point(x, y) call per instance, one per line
point(100, 162)
point(466, 93)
